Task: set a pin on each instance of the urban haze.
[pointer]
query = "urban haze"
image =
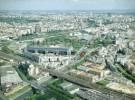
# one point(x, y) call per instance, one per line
point(67, 49)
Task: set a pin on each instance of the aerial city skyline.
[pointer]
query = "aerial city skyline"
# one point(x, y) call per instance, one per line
point(67, 49)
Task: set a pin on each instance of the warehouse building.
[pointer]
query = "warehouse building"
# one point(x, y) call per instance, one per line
point(55, 50)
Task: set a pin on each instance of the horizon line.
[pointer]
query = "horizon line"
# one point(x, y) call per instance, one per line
point(68, 10)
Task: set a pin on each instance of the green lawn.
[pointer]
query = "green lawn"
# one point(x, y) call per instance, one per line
point(19, 92)
point(103, 82)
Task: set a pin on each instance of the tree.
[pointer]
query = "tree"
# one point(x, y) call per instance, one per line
point(7, 50)
point(0, 81)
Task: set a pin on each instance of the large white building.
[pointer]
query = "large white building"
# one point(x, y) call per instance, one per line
point(9, 76)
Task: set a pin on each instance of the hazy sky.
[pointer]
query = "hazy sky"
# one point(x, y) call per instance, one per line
point(66, 4)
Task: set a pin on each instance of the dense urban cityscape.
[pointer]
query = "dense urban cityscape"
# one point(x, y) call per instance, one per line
point(67, 55)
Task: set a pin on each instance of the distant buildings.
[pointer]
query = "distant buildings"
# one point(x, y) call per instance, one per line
point(69, 87)
point(49, 57)
point(37, 28)
point(131, 45)
point(54, 50)
point(40, 75)
point(90, 71)
point(32, 70)
point(113, 35)
point(83, 75)
point(9, 77)
point(49, 60)
point(47, 54)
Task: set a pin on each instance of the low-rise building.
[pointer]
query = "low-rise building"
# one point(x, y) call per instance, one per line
point(91, 64)
point(96, 69)
point(84, 75)
point(69, 87)
point(83, 68)
point(65, 85)
point(9, 77)
point(42, 77)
